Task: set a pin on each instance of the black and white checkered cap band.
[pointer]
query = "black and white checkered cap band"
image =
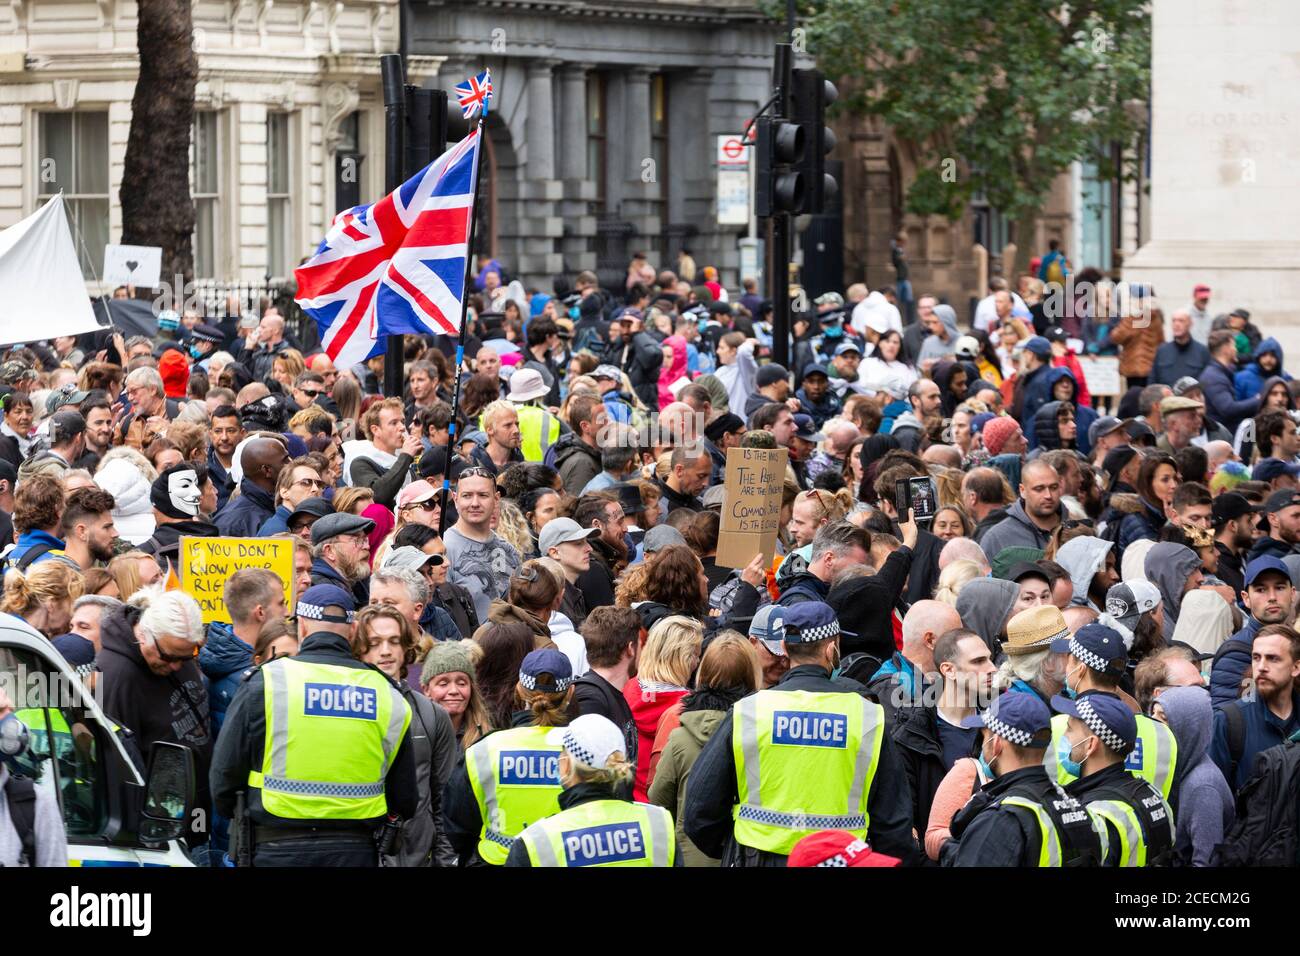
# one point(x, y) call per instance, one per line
point(1095, 661)
point(1021, 738)
point(808, 635)
point(558, 684)
point(1098, 726)
point(578, 750)
point(314, 612)
point(1063, 632)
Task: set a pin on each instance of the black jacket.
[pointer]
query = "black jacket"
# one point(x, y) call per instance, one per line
point(242, 745)
point(592, 694)
point(597, 582)
point(324, 573)
point(433, 741)
point(1231, 569)
point(915, 731)
point(173, 709)
point(865, 607)
point(988, 832)
point(804, 586)
point(672, 500)
point(924, 576)
point(707, 812)
point(577, 462)
point(165, 545)
point(990, 520)
point(242, 516)
point(456, 601)
point(1117, 783)
point(641, 359)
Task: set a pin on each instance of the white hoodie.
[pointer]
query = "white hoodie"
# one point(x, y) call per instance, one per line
point(132, 509)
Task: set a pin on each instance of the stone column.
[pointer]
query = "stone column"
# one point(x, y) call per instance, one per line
point(578, 185)
point(539, 126)
point(640, 206)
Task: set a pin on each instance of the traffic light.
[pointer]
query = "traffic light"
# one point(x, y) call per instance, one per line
point(779, 185)
point(810, 94)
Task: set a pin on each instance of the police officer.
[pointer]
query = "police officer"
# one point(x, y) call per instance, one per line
point(1097, 661)
point(321, 744)
point(1138, 822)
point(511, 778)
point(594, 826)
point(800, 757)
point(1021, 818)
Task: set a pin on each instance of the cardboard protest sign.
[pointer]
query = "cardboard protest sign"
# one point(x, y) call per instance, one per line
point(751, 505)
point(206, 563)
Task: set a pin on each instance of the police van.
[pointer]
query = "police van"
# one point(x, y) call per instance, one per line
point(115, 813)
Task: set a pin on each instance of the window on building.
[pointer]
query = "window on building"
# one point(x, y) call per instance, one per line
point(206, 189)
point(659, 140)
point(596, 134)
point(992, 228)
point(279, 226)
point(74, 160)
point(1096, 214)
point(348, 158)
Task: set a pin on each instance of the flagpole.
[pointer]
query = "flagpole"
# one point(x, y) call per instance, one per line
point(464, 310)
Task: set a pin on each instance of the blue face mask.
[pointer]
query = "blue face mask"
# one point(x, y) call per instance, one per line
point(834, 332)
point(986, 768)
point(1063, 757)
point(1070, 692)
point(194, 352)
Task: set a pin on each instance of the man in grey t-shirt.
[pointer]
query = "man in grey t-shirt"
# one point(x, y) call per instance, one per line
point(479, 561)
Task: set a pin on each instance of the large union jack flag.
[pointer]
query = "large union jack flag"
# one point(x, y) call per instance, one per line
point(475, 93)
point(396, 266)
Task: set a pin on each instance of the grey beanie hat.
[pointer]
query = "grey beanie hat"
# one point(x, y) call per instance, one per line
point(447, 657)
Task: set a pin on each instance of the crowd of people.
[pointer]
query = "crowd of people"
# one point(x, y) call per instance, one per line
point(1085, 656)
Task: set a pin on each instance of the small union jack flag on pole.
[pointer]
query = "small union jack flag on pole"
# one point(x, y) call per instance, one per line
point(475, 93)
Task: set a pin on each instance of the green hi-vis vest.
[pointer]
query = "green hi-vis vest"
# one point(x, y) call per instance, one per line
point(515, 776)
point(1049, 847)
point(538, 431)
point(331, 734)
point(1153, 758)
point(804, 762)
point(603, 833)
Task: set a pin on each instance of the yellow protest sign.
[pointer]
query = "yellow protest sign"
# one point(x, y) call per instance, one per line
point(751, 505)
point(206, 564)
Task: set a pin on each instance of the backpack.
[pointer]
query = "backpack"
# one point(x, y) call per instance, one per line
point(1055, 270)
point(1236, 728)
point(21, 795)
point(29, 556)
point(1265, 831)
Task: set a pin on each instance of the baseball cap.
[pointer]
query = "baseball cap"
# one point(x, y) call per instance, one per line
point(1117, 460)
point(1039, 346)
point(1139, 431)
point(967, 347)
point(339, 523)
point(1021, 719)
point(8, 472)
point(1103, 427)
point(847, 347)
point(1282, 498)
point(414, 493)
point(547, 670)
point(312, 604)
point(657, 538)
point(607, 371)
point(1177, 403)
point(836, 848)
point(1105, 715)
point(1055, 334)
point(1026, 569)
point(590, 739)
point(812, 621)
point(1232, 505)
point(1264, 564)
point(1102, 648)
point(815, 368)
point(1186, 384)
point(629, 497)
point(768, 627)
point(315, 507)
point(67, 394)
point(770, 375)
point(410, 558)
point(559, 531)
point(1200, 288)
point(75, 649)
point(1266, 469)
point(1129, 600)
point(804, 428)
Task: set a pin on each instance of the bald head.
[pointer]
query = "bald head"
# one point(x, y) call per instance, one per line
point(1217, 452)
point(262, 460)
point(946, 455)
point(251, 393)
point(840, 436)
point(963, 549)
point(924, 623)
point(678, 420)
point(1036, 469)
point(1077, 617)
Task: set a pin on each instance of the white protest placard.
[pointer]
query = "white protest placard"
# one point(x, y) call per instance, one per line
point(1101, 374)
point(132, 265)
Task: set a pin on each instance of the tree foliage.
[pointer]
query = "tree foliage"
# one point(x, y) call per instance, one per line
point(1009, 92)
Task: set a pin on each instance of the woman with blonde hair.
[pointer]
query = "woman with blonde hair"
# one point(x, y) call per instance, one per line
point(729, 670)
point(449, 679)
point(665, 670)
point(953, 578)
point(286, 367)
point(512, 527)
point(485, 808)
point(132, 571)
point(347, 396)
point(814, 509)
point(43, 595)
point(594, 773)
point(353, 500)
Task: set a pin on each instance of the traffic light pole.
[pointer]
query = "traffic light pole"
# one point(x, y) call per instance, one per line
point(778, 225)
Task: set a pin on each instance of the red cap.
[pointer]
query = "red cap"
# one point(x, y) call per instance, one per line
point(837, 848)
point(175, 371)
point(1201, 289)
